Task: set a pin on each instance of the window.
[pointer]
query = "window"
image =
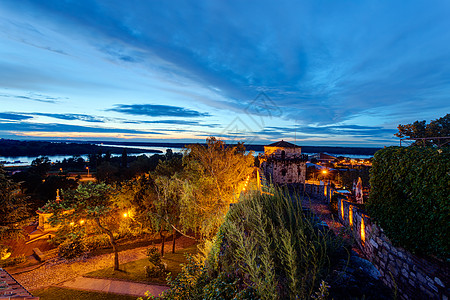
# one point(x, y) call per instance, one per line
point(283, 172)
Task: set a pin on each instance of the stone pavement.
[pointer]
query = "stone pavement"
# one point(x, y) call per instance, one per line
point(113, 286)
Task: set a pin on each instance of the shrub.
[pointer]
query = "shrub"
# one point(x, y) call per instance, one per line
point(409, 197)
point(154, 256)
point(5, 252)
point(157, 268)
point(154, 271)
point(12, 261)
point(72, 249)
point(96, 242)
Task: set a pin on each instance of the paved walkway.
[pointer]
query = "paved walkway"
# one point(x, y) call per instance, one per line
point(113, 286)
point(322, 210)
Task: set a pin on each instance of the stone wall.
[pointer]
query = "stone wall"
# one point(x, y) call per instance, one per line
point(322, 192)
point(413, 277)
point(285, 171)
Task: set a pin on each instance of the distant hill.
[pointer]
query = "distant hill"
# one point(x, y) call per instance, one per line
point(37, 148)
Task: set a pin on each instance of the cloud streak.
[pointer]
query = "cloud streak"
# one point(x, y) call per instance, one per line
point(154, 110)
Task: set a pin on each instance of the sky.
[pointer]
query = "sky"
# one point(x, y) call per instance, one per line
point(331, 73)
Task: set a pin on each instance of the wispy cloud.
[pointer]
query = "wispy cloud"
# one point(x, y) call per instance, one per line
point(54, 127)
point(154, 110)
point(72, 117)
point(14, 116)
point(34, 97)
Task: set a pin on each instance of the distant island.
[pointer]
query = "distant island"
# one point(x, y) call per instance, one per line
point(14, 148)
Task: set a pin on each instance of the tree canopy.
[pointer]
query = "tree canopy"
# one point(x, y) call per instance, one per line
point(90, 204)
point(213, 174)
point(13, 207)
point(420, 129)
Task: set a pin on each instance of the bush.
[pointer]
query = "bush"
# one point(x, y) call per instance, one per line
point(5, 252)
point(154, 256)
point(154, 271)
point(96, 242)
point(409, 197)
point(12, 261)
point(157, 268)
point(72, 249)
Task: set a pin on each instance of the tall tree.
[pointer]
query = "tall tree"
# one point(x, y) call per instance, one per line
point(420, 129)
point(213, 174)
point(91, 205)
point(166, 209)
point(13, 208)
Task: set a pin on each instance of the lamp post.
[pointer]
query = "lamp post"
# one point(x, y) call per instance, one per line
point(87, 168)
point(324, 172)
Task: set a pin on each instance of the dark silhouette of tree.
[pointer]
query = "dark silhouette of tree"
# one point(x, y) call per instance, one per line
point(13, 208)
point(420, 129)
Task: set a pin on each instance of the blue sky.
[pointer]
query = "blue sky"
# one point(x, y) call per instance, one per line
point(317, 72)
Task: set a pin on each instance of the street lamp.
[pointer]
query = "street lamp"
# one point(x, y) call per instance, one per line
point(87, 168)
point(325, 172)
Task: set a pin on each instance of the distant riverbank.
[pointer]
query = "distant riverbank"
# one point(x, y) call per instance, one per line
point(364, 151)
point(21, 153)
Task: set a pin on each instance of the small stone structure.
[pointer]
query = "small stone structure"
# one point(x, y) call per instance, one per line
point(412, 276)
point(284, 163)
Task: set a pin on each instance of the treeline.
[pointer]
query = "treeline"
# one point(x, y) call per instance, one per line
point(36, 148)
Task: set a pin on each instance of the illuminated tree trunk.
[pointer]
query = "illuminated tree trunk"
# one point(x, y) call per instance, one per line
point(112, 241)
point(163, 237)
point(174, 237)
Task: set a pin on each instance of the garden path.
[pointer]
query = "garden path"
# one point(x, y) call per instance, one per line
point(113, 286)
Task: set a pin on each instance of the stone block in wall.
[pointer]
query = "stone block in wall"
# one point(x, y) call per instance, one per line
point(405, 273)
point(373, 243)
point(438, 282)
point(433, 287)
point(392, 268)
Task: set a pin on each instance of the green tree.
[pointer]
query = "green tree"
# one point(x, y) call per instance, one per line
point(166, 209)
point(90, 204)
point(420, 129)
point(213, 174)
point(13, 208)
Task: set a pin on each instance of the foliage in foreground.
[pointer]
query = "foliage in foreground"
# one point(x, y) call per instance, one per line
point(267, 248)
point(410, 197)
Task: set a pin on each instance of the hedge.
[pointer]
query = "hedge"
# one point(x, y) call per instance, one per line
point(409, 198)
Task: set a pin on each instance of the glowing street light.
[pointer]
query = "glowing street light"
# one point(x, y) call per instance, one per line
point(125, 215)
point(87, 168)
point(81, 222)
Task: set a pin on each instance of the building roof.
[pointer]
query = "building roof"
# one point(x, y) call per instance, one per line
point(282, 144)
point(326, 156)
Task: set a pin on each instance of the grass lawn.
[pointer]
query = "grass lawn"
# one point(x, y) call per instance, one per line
point(134, 270)
point(56, 293)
